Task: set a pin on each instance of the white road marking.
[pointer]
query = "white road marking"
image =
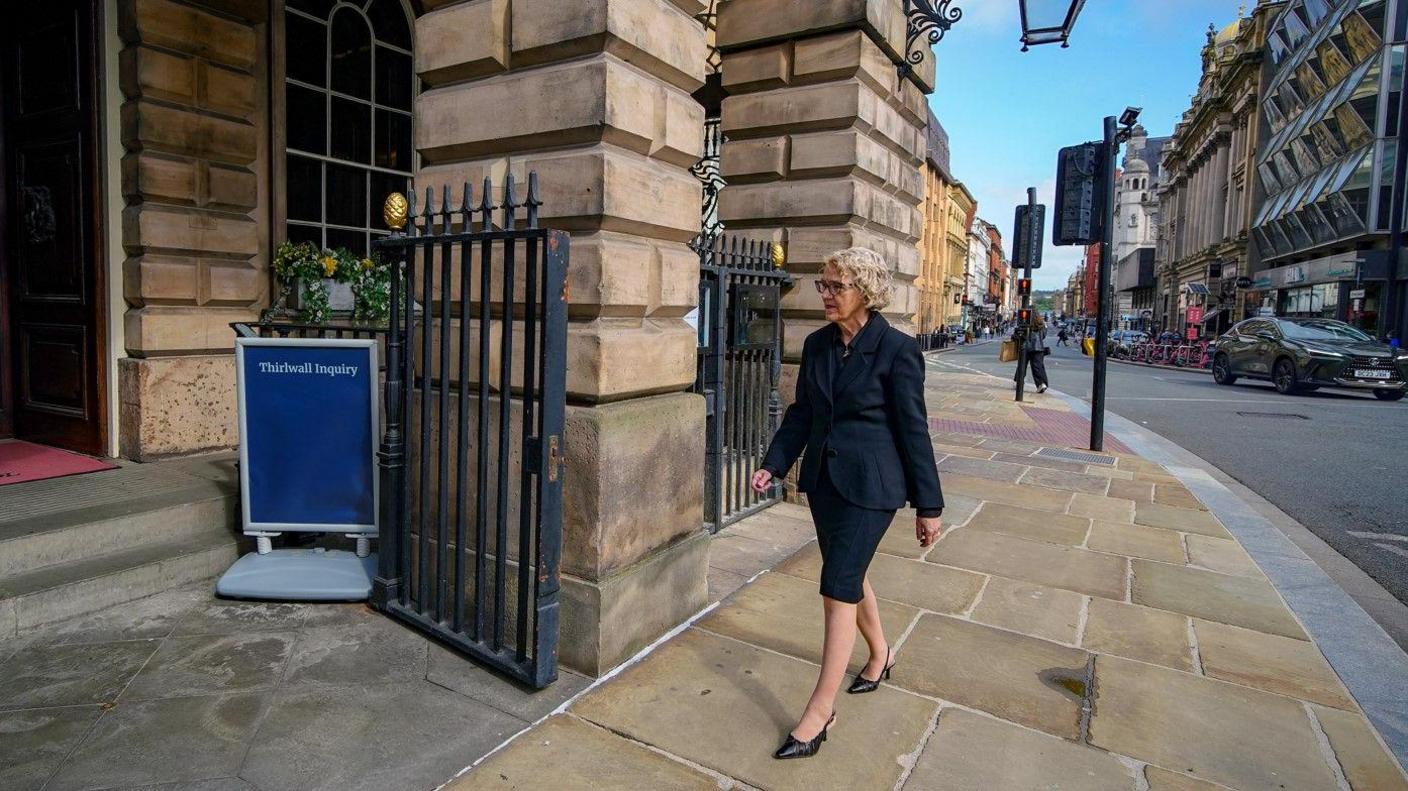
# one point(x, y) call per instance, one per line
point(1395, 550)
point(1377, 536)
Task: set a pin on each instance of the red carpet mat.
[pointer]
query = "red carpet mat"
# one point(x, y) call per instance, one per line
point(24, 461)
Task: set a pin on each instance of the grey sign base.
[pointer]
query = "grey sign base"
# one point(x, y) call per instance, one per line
point(300, 575)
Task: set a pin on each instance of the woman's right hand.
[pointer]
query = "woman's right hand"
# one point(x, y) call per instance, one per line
point(762, 479)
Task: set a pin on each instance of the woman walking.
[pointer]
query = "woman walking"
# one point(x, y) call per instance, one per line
point(859, 414)
point(1036, 354)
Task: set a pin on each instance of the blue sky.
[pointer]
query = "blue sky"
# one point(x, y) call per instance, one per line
point(1007, 111)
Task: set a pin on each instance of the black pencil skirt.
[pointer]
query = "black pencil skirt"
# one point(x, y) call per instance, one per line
point(848, 536)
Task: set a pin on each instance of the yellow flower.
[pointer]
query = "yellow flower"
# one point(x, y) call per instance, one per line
point(329, 266)
point(367, 264)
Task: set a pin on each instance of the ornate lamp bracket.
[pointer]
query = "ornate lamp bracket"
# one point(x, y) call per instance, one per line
point(927, 19)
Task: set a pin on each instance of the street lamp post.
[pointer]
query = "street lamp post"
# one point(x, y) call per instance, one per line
point(1116, 132)
point(1047, 22)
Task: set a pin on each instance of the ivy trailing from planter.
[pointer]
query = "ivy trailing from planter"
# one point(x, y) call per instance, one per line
point(304, 269)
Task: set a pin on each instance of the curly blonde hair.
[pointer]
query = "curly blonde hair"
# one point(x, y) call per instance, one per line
point(868, 271)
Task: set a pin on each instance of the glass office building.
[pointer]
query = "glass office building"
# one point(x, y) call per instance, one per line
point(1331, 109)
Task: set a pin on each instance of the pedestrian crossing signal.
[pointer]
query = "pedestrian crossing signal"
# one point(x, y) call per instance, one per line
point(1024, 286)
point(1024, 316)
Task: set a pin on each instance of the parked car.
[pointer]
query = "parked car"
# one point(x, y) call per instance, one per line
point(1306, 354)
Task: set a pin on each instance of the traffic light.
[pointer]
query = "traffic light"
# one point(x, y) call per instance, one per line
point(1024, 286)
point(1080, 209)
point(1024, 316)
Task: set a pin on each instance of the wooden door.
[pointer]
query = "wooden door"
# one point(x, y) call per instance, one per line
point(54, 346)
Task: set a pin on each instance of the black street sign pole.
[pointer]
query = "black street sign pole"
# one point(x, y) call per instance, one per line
point(1102, 321)
point(1020, 333)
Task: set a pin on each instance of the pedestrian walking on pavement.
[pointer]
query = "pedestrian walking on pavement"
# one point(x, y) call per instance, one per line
point(1061, 337)
point(859, 414)
point(1036, 354)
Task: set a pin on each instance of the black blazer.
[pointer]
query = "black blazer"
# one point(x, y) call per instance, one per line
point(874, 429)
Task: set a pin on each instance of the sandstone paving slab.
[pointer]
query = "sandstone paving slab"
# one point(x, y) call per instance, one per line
point(726, 705)
point(71, 674)
point(1205, 727)
point(783, 613)
point(376, 736)
point(565, 750)
point(906, 581)
point(153, 617)
point(207, 664)
point(1365, 763)
point(1136, 541)
point(1048, 613)
point(1040, 461)
point(457, 672)
point(953, 438)
point(1176, 494)
point(775, 526)
point(722, 583)
point(1036, 498)
point(971, 751)
point(1221, 555)
point(34, 742)
point(1184, 520)
point(1239, 601)
point(1026, 680)
point(992, 470)
point(1107, 509)
point(1070, 568)
point(1069, 481)
point(1011, 445)
point(1109, 472)
point(1136, 632)
point(1270, 662)
point(1138, 491)
point(747, 556)
point(1156, 478)
point(944, 449)
point(164, 741)
point(231, 617)
point(1026, 523)
point(1164, 780)
point(378, 651)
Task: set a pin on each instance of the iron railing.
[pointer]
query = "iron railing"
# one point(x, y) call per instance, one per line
point(475, 396)
point(740, 363)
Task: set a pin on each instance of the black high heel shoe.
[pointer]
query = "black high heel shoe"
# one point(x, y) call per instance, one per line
point(792, 748)
point(863, 685)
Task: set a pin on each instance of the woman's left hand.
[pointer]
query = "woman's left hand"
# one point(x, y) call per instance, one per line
point(927, 529)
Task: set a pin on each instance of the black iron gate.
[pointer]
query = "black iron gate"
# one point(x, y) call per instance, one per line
point(740, 362)
point(471, 521)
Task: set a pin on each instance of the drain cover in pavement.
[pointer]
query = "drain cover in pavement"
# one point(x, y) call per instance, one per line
point(1285, 415)
point(1075, 455)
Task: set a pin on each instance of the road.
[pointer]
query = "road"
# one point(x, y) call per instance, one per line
point(1332, 459)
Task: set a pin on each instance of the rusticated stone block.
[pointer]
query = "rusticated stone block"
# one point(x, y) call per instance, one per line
point(162, 329)
point(615, 453)
point(151, 226)
point(607, 622)
point(225, 91)
point(234, 188)
point(249, 10)
point(762, 159)
point(160, 278)
point(155, 177)
point(830, 154)
point(176, 405)
point(758, 69)
point(611, 359)
point(178, 27)
point(653, 35)
point(576, 103)
point(798, 108)
point(150, 73)
point(850, 53)
point(233, 283)
point(152, 127)
point(746, 22)
point(835, 201)
point(445, 53)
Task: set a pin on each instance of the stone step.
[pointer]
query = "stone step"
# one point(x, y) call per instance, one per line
point(31, 599)
point(197, 507)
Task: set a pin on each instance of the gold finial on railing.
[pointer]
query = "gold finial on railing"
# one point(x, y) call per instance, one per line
point(394, 211)
point(778, 256)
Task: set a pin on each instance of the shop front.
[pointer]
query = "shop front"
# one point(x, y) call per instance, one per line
point(1348, 287)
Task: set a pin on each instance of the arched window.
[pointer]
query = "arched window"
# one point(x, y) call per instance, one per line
point(349, 83)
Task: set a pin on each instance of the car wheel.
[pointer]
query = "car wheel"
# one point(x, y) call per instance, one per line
point(1389, 395)
point(1222, 371)
point(1285, 377)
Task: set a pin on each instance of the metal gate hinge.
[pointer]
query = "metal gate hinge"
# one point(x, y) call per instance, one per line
point(553, 457)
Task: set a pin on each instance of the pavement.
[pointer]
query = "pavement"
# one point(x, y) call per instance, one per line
point(184, 692)
point(1323, 462)
point(1085, 622)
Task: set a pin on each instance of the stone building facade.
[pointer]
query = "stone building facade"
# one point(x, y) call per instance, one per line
point(962, 213)
point(1209, 186)
point(220, 128)
point(934, 249)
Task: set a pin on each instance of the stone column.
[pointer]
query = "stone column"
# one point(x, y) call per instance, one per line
point(596, 99)
point(825, 141)
point(194, 151)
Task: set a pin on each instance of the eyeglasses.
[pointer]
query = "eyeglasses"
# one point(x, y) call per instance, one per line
point(832, 287)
